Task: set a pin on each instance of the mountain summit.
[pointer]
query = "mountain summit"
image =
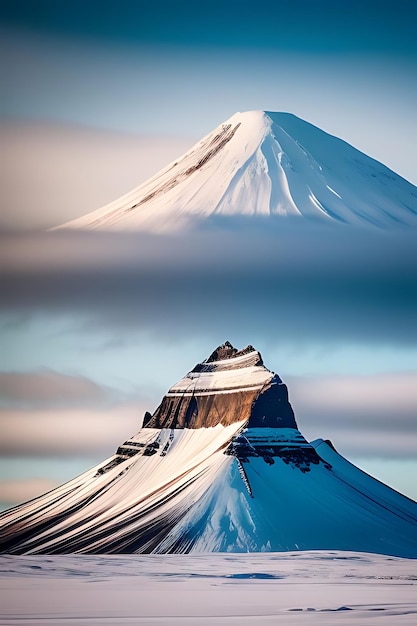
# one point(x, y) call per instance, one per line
point(220, 466)
point(263, 164)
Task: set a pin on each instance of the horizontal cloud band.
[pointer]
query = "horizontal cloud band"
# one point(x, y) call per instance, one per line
point(317, 282)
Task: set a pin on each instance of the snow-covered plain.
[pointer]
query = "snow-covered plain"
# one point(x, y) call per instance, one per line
point(323, 587)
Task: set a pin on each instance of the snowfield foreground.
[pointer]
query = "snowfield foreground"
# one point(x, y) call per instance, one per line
point(323, 587)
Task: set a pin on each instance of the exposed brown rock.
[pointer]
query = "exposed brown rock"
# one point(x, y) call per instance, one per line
point(225, 389)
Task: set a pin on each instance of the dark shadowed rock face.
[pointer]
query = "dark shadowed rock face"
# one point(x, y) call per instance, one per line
point(271, 408)
point(230, 386)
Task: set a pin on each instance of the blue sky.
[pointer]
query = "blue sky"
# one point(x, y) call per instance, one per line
point(168, 73)
point(344, 26)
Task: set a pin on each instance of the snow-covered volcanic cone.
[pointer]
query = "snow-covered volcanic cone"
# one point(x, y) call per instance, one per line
point(219, 466)
point(265, 165)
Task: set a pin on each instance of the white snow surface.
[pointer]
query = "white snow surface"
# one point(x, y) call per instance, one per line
point(262, 164)
point(223, 381)
point(294, 589)
point(132, 495)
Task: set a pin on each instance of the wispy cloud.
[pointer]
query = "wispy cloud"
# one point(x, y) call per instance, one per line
point(65, 432)
point(362, 415)
point(50, 389)
point(53, 414)
point(56, 172)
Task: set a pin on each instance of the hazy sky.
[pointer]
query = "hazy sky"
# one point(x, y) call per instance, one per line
point(99, 95)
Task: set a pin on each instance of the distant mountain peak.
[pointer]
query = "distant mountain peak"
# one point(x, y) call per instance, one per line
point(262, 165)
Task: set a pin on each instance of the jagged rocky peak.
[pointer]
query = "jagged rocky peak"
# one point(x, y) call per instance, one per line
point(229, 386)
point(227, 351)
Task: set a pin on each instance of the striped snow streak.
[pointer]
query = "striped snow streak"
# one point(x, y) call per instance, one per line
point(222, 381)
point(164, 193)
point(130, 507)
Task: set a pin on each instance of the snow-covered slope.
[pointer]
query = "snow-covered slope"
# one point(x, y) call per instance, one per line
point(219, 466)
point(263, 164)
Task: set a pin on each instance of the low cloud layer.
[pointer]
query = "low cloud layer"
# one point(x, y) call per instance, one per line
point(302, 281)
